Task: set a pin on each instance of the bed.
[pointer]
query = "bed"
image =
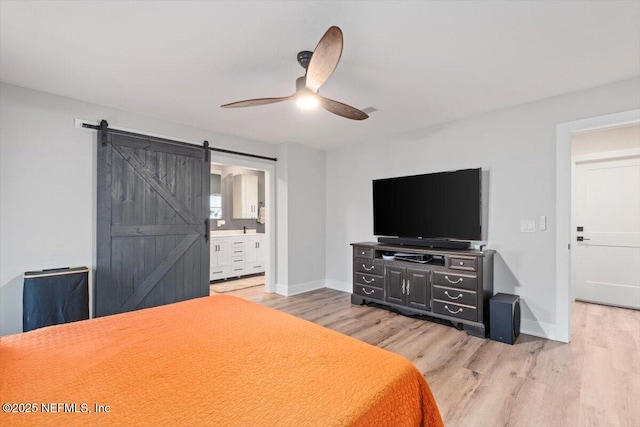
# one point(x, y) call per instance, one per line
point(216, 360)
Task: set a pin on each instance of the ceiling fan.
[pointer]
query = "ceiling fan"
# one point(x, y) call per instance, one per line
point(319, 65)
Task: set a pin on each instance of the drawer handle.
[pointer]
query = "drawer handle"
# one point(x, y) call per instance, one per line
point(368, 293)
point(368, 269)
point(368, 281)
point(461, 262)
point(457, 281)
point(452, 297)
point(217, 272)
point(459, 310)
point(362, 253)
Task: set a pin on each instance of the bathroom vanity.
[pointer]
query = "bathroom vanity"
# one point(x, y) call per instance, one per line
point(234, 253)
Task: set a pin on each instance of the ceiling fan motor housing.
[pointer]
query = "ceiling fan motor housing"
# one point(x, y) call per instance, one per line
point(304, 58)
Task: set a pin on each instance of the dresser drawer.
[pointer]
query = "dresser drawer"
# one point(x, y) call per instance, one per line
point(455, 280)
point(462, 263)
point(370, 267)
point(454, 295)
point(368, 291)
point(360, 252)
point(369, 280)
point(455, 310)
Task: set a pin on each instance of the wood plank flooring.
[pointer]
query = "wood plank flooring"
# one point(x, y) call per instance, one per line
point(593, 381)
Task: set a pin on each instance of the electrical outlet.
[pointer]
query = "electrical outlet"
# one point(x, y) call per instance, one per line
point(543, 222)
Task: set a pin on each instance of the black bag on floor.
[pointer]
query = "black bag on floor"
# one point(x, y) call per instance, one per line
point(52, 297)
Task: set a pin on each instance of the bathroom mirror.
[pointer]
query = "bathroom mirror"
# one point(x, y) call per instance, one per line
point(215, 204)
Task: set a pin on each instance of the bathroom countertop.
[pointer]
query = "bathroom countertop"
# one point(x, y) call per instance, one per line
point(224, 233)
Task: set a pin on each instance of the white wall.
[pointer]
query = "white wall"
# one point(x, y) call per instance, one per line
point(47, 183)
point(517, 147)
point(303, 200)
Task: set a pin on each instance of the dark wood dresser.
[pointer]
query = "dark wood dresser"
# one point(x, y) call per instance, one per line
point(453, 285)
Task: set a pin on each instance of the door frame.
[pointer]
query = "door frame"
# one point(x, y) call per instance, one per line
point(564, 131)
point(269, 169)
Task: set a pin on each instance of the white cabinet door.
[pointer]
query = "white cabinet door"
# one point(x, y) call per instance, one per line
point(254, 254)
point(251, 196)
point(220, 258)
point(245, 196)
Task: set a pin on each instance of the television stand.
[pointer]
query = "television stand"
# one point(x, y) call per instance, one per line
point(454, 285)
point(427, 243)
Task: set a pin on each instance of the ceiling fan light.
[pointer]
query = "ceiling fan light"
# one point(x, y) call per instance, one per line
point(307, 101)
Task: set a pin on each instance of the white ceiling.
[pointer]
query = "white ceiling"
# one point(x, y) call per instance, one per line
point(419, 63)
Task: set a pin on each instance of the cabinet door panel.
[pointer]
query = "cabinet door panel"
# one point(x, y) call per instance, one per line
point(394, 286)
point(224, 253)
point(255, 254)
point(417, 289)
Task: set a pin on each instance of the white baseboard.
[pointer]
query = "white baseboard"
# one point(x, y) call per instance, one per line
point(538, 329)
point(339, 286)
point(300, 288)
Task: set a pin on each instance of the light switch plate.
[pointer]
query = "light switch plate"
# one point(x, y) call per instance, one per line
point(527, 226)
point(543, 222)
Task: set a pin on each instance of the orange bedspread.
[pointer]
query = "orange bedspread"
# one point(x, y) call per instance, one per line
point(210, 361)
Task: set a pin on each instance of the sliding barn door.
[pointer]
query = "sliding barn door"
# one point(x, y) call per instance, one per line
point(152, 237)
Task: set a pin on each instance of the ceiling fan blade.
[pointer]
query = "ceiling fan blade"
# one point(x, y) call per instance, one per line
point(325, 58)
point(256, 102)
point(341, 109)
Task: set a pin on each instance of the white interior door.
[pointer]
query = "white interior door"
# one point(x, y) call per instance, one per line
point(606, 264)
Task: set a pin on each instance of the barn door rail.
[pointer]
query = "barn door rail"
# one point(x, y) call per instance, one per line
point(104, 128)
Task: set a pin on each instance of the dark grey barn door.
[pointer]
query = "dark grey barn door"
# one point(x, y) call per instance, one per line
point(153, 202)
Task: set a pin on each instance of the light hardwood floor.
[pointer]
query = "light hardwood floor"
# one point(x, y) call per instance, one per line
point(593, 381)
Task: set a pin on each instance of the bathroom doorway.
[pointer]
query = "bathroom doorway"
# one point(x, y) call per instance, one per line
point(241, 224)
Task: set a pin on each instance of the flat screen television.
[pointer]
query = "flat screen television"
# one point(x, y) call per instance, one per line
point(443, 205)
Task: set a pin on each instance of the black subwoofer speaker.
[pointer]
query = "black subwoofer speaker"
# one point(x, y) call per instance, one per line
point(504, 318)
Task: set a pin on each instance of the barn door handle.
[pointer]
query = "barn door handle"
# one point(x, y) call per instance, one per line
point(206, 230)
